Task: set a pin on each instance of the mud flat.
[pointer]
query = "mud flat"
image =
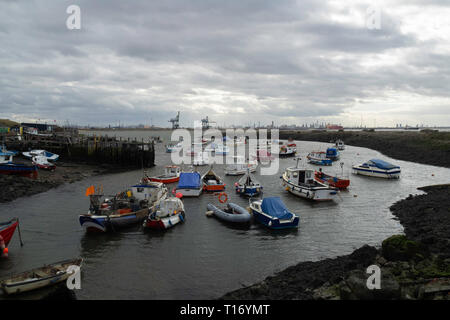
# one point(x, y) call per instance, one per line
point(413, 266)
point(426, 147)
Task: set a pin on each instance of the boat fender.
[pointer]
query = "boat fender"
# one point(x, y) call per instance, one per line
point(221, 197)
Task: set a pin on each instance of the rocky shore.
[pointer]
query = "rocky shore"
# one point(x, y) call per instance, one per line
point(13, 187)
point(426, 147)
point(413, 266)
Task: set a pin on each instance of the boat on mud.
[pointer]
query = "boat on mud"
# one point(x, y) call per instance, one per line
point(166, 214)
point(240, 166)
point(49, 155)
point(272, 213)
point(332, 181)
point(190, 184)
point(38, 278)
point(286, 151)
point(301, 182)
point(212, 182)
point(8, 167)
point(171, 175)
point(319, 158)
point(125, 209)
point(291, 143)
point(7, 230)
point(42, 163)
point(333, 154)
point(378, 168)
point(340, 144)
point(248, 186)
point(231, 213)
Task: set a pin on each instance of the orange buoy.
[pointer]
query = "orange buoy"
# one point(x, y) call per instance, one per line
point(221, 199)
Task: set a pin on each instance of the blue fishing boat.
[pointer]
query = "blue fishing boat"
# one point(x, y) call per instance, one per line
point(333, 154)
point(7, 166)
point(248, 185)
point(319, 158)
point(272, 213)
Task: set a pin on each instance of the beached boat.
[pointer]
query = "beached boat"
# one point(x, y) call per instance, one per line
point(122, 210)
point(301, 182)
point(333, 154)
point(190, 184)
point(340, 144)
point(7, 230)
point(49, 155)
point(42, 163)
point(201, 159)
point(286, 151)
point(174, 147)
point(319, 158)
point(166, 214)
point(8, 167)
point(333, 181)
point(378, 168)
point(38, 278)
point(171, 175)
point(248, 186)
point(231, 213)
point(5, 150)
point(272, 213)
point(240, 166)
point(291, 143)
point(212, 182)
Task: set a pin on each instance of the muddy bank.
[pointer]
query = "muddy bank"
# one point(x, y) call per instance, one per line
point(413, 266)
point(432, 148)
point(13, 187)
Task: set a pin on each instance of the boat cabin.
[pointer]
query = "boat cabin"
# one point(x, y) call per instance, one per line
point(300, 176)
point(172, 171)
point(151, 191)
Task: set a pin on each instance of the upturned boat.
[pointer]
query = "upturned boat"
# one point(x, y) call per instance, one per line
point(38, 278)
point(166, 214)
point(248, 186)
point(333, 154)
point(231, 213)
point(333, 181)
point(42, 163)
point(171, 175)
point(212, 182)
point(190, 184)
point(319, 158)
point(378, 168)
point(301, 182)
point(240, 166)
point(272, 213)
point(122, 210)
point(8, 167)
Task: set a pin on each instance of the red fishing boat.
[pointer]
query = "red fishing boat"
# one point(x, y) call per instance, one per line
point(171, 175)
point(7, 230)
point(337, 182)
point(212, 182)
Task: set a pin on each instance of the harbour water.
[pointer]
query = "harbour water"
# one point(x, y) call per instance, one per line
point(205, 258)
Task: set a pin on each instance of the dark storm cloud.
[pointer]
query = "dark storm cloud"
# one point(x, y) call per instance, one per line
point(237, 61)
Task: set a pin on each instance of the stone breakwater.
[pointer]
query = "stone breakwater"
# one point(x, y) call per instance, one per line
point(413, 266)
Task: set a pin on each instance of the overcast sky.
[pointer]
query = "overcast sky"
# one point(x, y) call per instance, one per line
point(237, 61)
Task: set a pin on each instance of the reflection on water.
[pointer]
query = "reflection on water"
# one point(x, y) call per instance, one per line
point(204, 257)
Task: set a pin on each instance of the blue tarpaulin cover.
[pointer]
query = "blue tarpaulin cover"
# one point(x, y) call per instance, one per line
point(189, 180)
point(383, 164)
point(275, 207)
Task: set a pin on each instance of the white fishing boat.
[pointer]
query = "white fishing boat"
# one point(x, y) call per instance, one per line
point(286, 151)
point(42, 163)
point(38, 278)
point(240, 166)
point(340, 144)
point(378, 168)
point(301, 182)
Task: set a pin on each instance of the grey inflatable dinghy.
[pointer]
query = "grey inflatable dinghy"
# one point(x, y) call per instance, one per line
point(232, 213)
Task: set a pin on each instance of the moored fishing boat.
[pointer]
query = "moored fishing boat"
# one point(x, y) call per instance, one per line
point(166, 214)
point(333, 181)
point(240, 166)
point(171, 175)
point(42, 163)
point(122, 210)
point(8, 167)
point(301, 182)
point(212, 182)
point(272, 213)
point(231, 213)
point(378, 168)
point(319, 158)
point(248, 186)
point(333, 154)
point(286, 151)
point(190, 184)
point(38, 278)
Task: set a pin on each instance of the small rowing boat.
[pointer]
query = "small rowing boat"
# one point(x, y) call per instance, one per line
point(7, 230)
point(337, 182)
point(212, 182)
point(38, 278)
point(171, 175)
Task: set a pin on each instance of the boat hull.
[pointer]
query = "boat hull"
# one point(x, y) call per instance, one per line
point(315, 194)
point(248, 191)
point(275, 223)
point(18, 169)
point(167, 180)
point(7, 230)
point(100, 223)
point(333, 181)
point(213, 187)
point(386, 174)
point(189, 192)
point(165, 222)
